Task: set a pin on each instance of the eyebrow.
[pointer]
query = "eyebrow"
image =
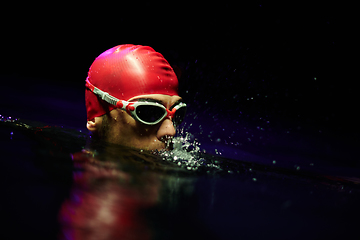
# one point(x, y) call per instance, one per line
point(176, 103)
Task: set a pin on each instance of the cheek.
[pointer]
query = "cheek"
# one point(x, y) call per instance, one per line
point(144, 130)
point(127, 131)
point(124, 121)
point(125, 127)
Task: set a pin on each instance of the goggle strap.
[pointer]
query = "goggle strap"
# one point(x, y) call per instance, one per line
point(89, 85)
point(103, 95)
point(124, 105)
point(129, 107)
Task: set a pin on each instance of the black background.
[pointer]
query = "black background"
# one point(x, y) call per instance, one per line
point(285, 68)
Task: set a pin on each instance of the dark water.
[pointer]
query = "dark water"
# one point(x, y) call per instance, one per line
point(53, 188)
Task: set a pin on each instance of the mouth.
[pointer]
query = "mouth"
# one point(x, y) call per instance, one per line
point(169, 145)
point(166, 144)
point(167, 140)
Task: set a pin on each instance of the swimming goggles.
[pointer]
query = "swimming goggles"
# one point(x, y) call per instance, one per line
point(149, 113)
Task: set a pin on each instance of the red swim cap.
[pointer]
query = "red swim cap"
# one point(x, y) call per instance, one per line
point(127, 71)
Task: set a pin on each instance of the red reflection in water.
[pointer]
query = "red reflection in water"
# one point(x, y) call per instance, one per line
point(107, 203)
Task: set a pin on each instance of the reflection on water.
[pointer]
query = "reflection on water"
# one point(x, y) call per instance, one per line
point(122, 193)
point(107, 202)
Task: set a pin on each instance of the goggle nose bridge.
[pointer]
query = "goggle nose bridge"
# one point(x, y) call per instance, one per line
point(170, 113)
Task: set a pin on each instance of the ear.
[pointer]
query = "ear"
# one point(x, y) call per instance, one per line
point(94, 124)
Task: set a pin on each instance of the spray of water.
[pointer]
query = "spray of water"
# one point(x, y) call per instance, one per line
point(187, 153)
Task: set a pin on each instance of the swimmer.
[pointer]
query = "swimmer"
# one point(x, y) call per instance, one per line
point(132, 98)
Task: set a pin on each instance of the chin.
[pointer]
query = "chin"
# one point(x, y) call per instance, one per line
point(159, 148)
point(155, 146)
point(148, 146)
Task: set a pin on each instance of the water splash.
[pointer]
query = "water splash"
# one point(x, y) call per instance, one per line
point(7, 119)
point(14, 122)
point(186, 153)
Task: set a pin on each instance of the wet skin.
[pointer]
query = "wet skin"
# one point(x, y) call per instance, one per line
point(126, 131)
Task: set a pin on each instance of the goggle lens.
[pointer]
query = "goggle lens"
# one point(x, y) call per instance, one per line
point(149, 113)
point(179, 116)
point(152, 114)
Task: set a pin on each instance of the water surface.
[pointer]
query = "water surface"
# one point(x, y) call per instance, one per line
point(54, 187)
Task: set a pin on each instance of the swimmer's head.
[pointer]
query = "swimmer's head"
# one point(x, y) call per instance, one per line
point(130, 73)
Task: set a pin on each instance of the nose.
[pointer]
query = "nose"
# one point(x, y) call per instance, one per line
point(166, 130)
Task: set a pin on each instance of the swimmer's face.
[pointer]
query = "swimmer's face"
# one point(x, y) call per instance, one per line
point(123, 129)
